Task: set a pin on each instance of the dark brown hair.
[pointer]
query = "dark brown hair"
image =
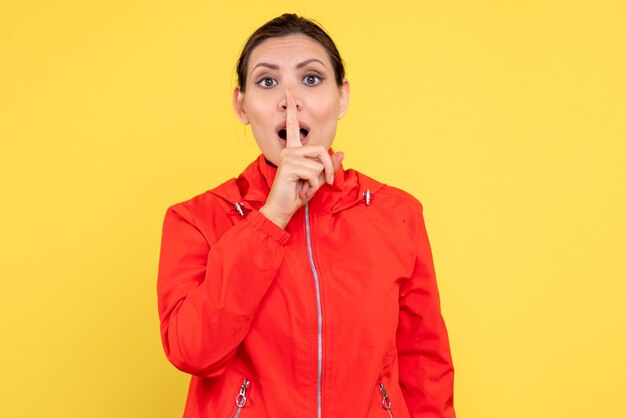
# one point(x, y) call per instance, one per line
point(284, 25)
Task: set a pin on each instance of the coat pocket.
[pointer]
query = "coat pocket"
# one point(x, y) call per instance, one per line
point(241, 399)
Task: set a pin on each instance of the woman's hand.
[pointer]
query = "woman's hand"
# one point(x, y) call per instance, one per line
point(302, 170)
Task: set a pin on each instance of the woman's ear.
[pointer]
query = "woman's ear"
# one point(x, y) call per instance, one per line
point(238, 106)
point(344, 98)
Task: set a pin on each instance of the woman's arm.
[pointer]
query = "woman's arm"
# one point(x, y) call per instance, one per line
point(425, 364)
point(209, 296)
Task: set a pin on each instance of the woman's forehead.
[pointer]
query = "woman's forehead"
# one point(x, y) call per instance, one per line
point(288, 50)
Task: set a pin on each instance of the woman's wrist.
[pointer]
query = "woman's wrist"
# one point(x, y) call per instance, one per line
point(278, 219)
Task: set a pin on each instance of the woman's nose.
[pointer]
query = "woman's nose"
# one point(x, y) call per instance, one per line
point(283, 102)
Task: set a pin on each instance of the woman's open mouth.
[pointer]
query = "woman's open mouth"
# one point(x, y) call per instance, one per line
point(282, 134)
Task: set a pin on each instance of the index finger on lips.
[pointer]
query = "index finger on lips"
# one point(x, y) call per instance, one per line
point(293, 128)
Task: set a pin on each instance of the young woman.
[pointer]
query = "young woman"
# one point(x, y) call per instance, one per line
point(300, 289)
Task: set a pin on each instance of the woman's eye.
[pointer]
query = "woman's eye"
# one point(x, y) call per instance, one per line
point(266, 82)
point(312, 79)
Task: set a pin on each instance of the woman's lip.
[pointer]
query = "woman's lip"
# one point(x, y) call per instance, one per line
point(282, 134)
point(283, 125)
point(303, 140)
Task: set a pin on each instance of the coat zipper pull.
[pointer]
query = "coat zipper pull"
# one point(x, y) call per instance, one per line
point(386, 402)
point(241, 399)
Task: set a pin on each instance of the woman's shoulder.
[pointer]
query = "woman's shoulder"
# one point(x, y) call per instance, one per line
point(389, 194)
point(394, 209)
point(208, 213)
point(230, 194)
point(220, 198)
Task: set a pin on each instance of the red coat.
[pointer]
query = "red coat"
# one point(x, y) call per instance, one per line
point(335, 316)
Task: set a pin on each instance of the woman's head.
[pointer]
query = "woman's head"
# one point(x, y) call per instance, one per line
point(293, 54)
point(284, 25)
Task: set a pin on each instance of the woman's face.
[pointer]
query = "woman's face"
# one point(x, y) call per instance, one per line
point(300, 64)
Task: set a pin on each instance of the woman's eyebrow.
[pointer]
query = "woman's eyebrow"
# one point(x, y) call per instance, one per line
point(265, 64)
point(307, 62)
point(298, 66)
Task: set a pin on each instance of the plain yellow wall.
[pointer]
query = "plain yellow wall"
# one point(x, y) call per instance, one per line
point(506, 119)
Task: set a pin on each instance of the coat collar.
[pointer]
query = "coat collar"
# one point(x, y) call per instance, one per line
point(253, 186)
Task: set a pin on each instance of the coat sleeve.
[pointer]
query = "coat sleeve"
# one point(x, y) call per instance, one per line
point(208, 297)
point(425, 364)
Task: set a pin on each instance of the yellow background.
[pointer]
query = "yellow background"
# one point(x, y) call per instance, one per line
point(506, 119)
